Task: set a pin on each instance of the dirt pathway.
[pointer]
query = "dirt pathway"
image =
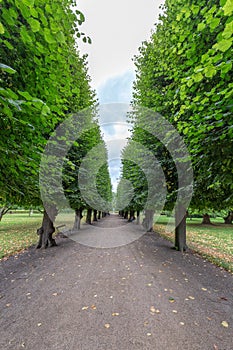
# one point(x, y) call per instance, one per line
point(143, 295)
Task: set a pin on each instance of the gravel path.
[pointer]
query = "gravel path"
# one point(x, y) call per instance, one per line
point(138, 296)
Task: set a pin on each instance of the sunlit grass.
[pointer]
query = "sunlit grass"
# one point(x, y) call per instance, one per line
point(214, 242)
point(18, 232)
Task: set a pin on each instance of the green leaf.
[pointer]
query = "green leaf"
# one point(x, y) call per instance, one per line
point(2, 30)
point(49, 37)
point(7, 17)
point(26, 95)
point(28, 3)
point(214, 23)
point(228, 31)
point(35, 25)
point(45, 110)
point(60, 37)
point(201, 26)
point(25, 35)
point(210, 71)
point(7, 69)
point(223, 45)
point(228, 8)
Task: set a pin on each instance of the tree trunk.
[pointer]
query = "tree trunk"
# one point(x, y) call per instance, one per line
point(103, 214)
point(95, 215)
point(138, 217)
point(180, 231)
point(148, 221)
point(3, 211)
point(229, 218)
point(126, 214)
point(77, 220)
point(47, 229)
point(88, 218)
point(206, 219)
point(131, 216)
point(99, 215)
point(30, 212)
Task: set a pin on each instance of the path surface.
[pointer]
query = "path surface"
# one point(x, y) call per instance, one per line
point(140, 296)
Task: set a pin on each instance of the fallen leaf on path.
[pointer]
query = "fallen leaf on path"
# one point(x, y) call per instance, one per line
point(154, 310)
point(192, 298)
point(172, 300)
point(8, 305)
point(39, 324)
point(215, 347)
point(115, 314)
point(85, 307)
point(225, 324)
point(174, 311)
point(182, 323)
point(148, 334)
point(93, 307)
point(54, 294)
point(107, 325)
point(204, 289)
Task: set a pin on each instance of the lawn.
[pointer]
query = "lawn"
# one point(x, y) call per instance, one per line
point(17, 232)
point(214, 242)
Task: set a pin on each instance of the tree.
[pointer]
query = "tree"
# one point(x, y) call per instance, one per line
point(44, 79)
point(185, 73)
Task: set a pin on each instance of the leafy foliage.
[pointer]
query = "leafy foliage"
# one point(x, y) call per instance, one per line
point(185, 73)
point(44, 79)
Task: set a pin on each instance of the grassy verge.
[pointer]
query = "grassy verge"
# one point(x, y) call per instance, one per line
point(18, 232)
point(214, 242)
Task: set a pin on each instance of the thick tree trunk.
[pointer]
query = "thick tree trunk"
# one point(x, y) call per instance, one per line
point(206, 219)
point(103, 214)
point(126, 214)
point(95, 215)
point(99, 215)
point(180, 231)
point(47, 229)
point(148, 221)
point(77, 220)
point(88, 218)
point(229, 218)
point(131, 216)
point(3, 211)
point(138, 217)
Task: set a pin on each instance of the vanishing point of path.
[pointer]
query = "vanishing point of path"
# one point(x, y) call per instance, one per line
point(139, 296)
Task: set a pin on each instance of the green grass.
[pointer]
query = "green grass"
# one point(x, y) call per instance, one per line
point(214, 242)
point(18, 232)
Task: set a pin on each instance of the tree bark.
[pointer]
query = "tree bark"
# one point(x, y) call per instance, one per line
point(180, 231)
point(229, 218)
point(88, 218)
point(138, 217)
point(131, 215)
point(47, 229)
point(126, 214)
point(3, 211)
point(148, 221)
point(78, 218)
point(206, 219)
point(95, 215)
point(99, 215)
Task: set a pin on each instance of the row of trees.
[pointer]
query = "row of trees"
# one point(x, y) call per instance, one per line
point(184, 73)
point(44, 80)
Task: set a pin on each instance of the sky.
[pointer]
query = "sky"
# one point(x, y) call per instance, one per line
point(117, 29)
